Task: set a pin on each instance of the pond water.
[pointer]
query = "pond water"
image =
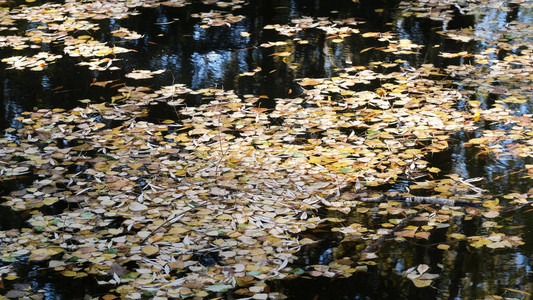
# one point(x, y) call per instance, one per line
point(174, 40)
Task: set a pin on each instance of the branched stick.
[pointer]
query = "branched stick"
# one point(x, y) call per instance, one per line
point(374, 246)
point(343, 189)
point(421, 200)
point(168, 221)
point(408, 200)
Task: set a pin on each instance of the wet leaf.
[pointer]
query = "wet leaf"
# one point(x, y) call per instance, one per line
point(150, 250)
point(219, 288)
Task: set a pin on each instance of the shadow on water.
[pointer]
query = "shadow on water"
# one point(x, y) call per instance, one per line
point(199, 57)
point(367, 285)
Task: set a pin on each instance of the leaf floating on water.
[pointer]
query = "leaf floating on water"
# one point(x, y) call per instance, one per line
point(491, 214)
point(218, 191)
point(150, 250)
point(420, 283)
point(443, 246)
point(50, 200)
point(218, 288)
point(136, 206)
point(434, 170)
point(422, 268)
point(143, 74)
point(69, 273)
point(44, 253)
point(346, 170)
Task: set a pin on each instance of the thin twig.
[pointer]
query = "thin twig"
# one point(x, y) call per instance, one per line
point(421, 200)
point(373, 247)
point(168, 221)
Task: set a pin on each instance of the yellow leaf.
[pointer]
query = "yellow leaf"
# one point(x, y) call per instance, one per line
point(491, 214)
point(499, 245)
point(314, 160)
point(443, 246)
point(442, 188)
point(201, 294)
point(491, 203)
point(366, 49)
point(405, 42)
point(422, 235)
point(44, 253)
point(420, 283)
point(480, 243)
point(282, 54)
point(405, 233)
point(50, 200)
point(518, 291)
point(476, 115)
point(457, 236)
point(224, 217)
point(434, 170)
point(257, 251)
point(69, 273)
point(150, 250)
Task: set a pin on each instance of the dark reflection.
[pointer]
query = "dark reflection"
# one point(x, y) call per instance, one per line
point(53, 286)
point(11, 107)
point(364, 285)
point(9, 219)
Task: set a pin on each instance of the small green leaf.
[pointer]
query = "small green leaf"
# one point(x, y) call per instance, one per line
point(106, 156)
point(55, 222)
point(131, 275)
point(297, 271)
point(87, 215)
point(9, 259)
point(111, 251)
point(150, 293)
point(193, 204)
point(253, 273)
point(346, 170)
point(298, 155)
point(218, 288)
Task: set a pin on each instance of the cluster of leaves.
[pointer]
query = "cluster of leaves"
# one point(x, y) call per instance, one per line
point(252, 184)
point(217, 19)
point(215, 201)
point(324, 24)
point(502, 69)
point(62, 24)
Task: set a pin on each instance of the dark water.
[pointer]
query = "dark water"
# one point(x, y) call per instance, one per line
point(214, 57)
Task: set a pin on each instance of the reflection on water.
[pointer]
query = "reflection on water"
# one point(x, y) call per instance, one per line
point(201, 57)
point(11, 103)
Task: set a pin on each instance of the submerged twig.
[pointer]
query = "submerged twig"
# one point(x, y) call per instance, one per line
point(374, 246)
point(169, 221)
point(408, 200)
point(421, 200)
